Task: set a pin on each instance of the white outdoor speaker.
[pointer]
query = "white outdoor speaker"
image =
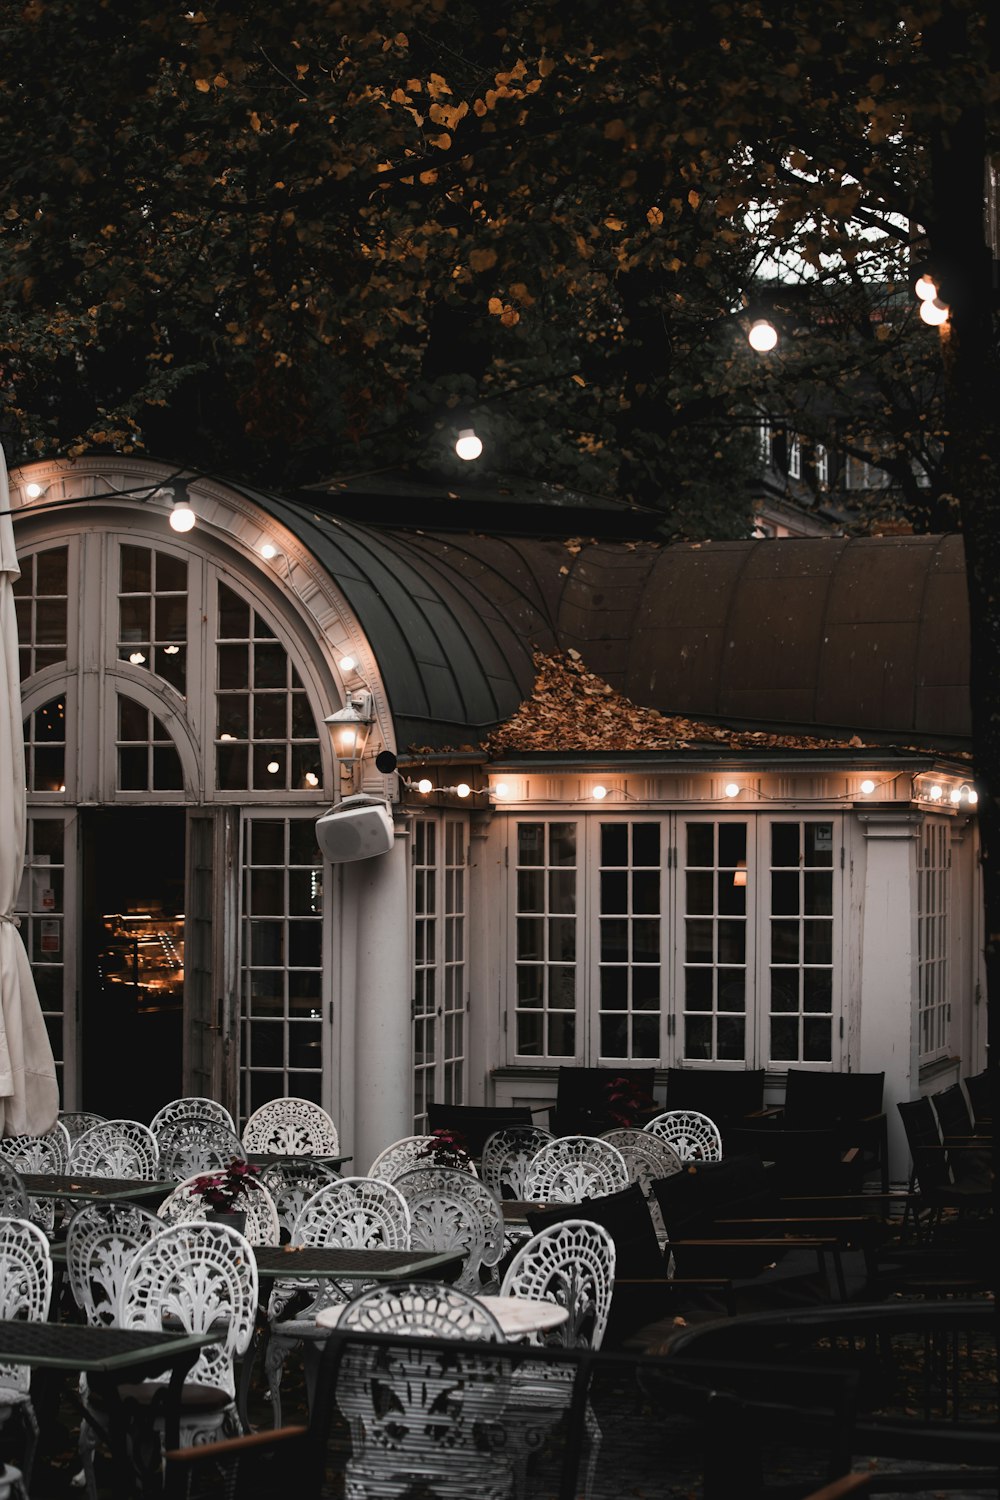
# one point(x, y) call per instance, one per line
point(360, 828)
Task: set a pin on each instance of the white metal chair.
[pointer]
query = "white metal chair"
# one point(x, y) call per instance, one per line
point(573, 1264)
point(574, 1167)
point(76, 1121)
point(185, 1205)
point(647, 1156)
point(420, 1420)
point(43, 1154)
point(101, 1242)
point(116, 1148)
point(408, 1152)
point(507, 1154)
point(25, 1294)
point(196, 1143)
point(692, 1135)
point(191, 1106)
point(291, 1183)
point(203, 1277)
point(452, 1210)
point(291, 1127)
point(354, 1212)
point(14, 1200)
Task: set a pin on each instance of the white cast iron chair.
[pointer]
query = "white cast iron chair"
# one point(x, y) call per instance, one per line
point(507, 1155)
point(574, 1167)
point(196, 1144)
point(693, 1135)
point(355, 1213)
point(25, 1293)
point(291, 1127)
point(291, 1183)
point(116, 1148)
point(191, 1105)
point(185, 1205)
point(408, 1152)
point(452, 1210)
point(647, 1157)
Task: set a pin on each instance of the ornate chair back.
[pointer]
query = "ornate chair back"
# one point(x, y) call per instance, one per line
point(292, 1183)
point(574, 1167)
point(452, 1210)
point(572, 1263)
point(101, 1240)
point(38, 1153)
point(76, 1121)
point(14, 1200)
point(507, 1155)
point(196, 1143)
point(116, 1148)
point(428, 1308)
point(25, 1288)
point(647, 1156)
point(204, 1277)
point(693, 1135)
point(291, 1127)
point(185, 1205)
point(408, 1152)
point(360, 1213)
point(191, 1105)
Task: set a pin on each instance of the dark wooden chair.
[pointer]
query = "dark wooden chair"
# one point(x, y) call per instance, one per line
point(583, 1105)
point(474, 1122)
point(955, 1116)
point(730, 1098)
point(955, 1176)
point(983, 1090)
point(848, 1103)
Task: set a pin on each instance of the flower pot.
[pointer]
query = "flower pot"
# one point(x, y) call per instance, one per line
point(235, 1218)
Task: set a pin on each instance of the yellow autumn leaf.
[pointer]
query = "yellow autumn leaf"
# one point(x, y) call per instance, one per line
point(495, 306)
point(613, 223)
point(509, 317)
point(482, 260)
point(614, 130)
point(202, 85)
point(442, 141)
point(654, 217)
point(436, 86)
point(578, 380)
point(545, 66)
point(520, 291)
point(694, 197)
point(399, 96)
point(480, 108)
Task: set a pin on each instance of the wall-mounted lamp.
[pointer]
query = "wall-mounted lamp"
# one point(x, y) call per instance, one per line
point(349, 728)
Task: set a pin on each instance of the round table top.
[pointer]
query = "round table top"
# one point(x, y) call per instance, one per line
point(517, 1316)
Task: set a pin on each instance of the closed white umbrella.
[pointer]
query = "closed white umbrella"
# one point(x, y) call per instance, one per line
point(29, 1093)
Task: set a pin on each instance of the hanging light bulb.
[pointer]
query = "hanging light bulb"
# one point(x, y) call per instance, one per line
point(926, 288)
point(424, 786)
point(268, 551)
point(182, 517)
point(762, 336)
point(468, 444)
point(934, 311)
point(463, 789)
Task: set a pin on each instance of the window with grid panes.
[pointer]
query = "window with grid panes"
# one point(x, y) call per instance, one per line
point(546, 939)
point(629, 957)
point(800, 971)
point(715, 963)
point(41, 909)
point(147, 757)
point(40, 601)
point(439, 973)
point(282, 980)
point(152, 613)
point(45, 747)
point(266, 737)
point(933, 875)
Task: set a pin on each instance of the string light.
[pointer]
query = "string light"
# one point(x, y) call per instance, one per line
point(868, 786)
point(763, 336)
point(468, 444)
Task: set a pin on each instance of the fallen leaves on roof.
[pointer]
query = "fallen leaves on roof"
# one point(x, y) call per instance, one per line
point(571, 708)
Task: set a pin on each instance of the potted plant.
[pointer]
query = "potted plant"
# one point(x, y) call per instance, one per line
point(447, 1148)
point(627, 1104)
point(224, 1192)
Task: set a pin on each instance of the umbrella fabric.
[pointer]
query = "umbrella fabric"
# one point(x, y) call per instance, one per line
point(29, 1093)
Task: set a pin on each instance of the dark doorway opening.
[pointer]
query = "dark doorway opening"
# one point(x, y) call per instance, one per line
point(132, 985)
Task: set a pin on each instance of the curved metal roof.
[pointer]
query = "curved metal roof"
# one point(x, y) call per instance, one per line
point(834, 635)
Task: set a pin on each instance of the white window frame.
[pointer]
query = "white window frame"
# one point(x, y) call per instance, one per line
point(672, 918)
point(933, 939)
point(440, 962)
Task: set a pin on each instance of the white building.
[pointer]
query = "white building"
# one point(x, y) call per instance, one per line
point(734, 899)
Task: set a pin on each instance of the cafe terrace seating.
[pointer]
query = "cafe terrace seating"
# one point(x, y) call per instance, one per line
point(25, 1293)
point(507, 1155)
point(291, 1127)
point(101, 1242)
point(116, 1148)
point(292, 1181)
point(352, 1212)
point(185, 1204)
point(452, 1210)
point(408, 1152)
point(196, 1143)
point(191, 1106)
point(692, 1135)
point(574, 1167)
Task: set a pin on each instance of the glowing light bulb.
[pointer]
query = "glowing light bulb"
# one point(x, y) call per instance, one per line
point(468, 445)
point(867, 786)
point(269, 551)
point(425, 786)
point(973, 796)
point(34, 491)
point(934, 312)
point(182, 517)
point(273, 767)
point(956, 794)
point(463, 789)
point(312, 779)
point(599, 793)
point(501, 790)
point(347, 664)
point(762, 336)
point(732, 789)
point(926, 288)
point(935, 793)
